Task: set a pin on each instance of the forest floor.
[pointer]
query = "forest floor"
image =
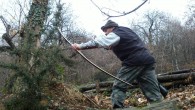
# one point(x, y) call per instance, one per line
point(65, 97)
point(184, 96)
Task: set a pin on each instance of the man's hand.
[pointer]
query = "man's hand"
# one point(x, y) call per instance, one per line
point(76, 46)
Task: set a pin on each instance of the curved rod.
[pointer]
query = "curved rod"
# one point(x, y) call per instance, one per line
point(94, 63)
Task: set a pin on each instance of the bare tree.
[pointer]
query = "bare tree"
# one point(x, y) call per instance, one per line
point(148, 28)
point(191, 15)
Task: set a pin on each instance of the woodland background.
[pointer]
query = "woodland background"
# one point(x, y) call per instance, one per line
point(34, 56)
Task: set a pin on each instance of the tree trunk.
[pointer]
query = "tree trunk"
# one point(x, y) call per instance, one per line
point(33, 28)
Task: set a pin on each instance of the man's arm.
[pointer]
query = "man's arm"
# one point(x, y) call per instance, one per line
point(100, 42)
point(88, 45)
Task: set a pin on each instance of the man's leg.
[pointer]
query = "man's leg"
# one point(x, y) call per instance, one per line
point(119, 88)
point(149, 84)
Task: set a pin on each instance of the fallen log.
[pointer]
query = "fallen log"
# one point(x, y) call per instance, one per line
point(93, 86)
point(106, 89)
point(178, 72)
point(176, 79)
point(176, 84)
point(167, 85)
point(105, 84)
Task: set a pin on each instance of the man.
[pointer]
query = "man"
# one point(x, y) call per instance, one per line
point(137, 63)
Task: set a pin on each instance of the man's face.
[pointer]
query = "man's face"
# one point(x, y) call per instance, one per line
point(108, 30)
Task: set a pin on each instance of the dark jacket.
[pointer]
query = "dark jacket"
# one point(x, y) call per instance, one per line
point(131, 49)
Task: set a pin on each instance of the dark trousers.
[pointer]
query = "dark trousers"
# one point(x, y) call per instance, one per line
point(146, 78)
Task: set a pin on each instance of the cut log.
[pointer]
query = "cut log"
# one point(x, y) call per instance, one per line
point(175, 77)
point(178, 72)
point(176, 84)
point(93, 86)
point(167, 85)
point(107, 84)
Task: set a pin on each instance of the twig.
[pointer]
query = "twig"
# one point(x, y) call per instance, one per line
point(91, 101)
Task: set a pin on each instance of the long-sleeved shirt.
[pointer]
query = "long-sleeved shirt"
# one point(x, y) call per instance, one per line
point(107, 42)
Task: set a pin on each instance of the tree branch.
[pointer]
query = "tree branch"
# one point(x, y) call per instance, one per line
point(8, 40)
point(121, 14)
point(6, 36)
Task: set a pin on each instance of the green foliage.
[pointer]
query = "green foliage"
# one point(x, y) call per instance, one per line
point(27, 81)
point(26, 100)
point(35, 68)
point(60, 69)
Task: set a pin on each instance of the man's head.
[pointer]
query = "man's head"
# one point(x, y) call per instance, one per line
point(109, 26)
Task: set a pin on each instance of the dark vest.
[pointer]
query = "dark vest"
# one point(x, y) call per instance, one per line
point(130, 49)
